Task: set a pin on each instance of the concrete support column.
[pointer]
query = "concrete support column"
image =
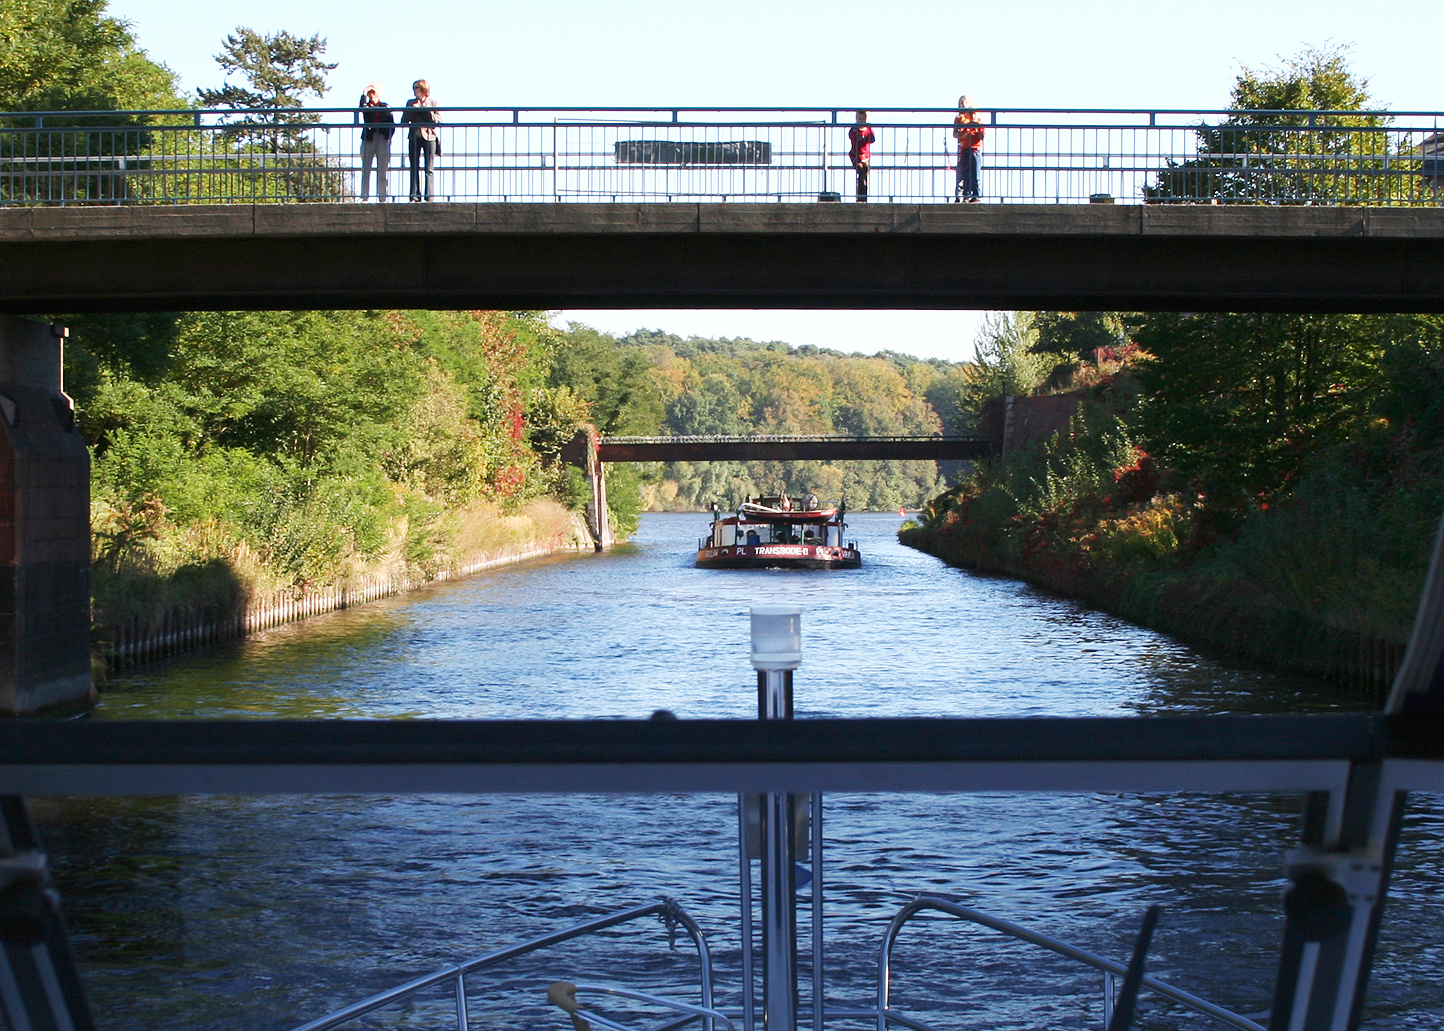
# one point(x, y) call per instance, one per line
point(44, 527)
point(581, 452)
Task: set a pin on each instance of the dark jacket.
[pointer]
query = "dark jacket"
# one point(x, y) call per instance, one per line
point(423, 120)
point(377, 114)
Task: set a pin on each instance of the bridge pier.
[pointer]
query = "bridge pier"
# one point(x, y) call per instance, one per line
point(44, 527)
point(582, 452)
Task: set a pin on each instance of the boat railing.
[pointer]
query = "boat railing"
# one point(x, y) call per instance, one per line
point(1108, 968)
point(671, 914)
point(711, 1017)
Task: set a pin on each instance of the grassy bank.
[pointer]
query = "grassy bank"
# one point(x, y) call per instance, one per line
point(1322, 581)
point(193, 588)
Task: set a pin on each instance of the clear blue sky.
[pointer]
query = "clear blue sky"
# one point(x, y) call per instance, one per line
point(846, 54)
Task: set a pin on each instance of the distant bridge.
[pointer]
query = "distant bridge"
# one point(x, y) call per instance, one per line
point(592, 453)
point(793, 448)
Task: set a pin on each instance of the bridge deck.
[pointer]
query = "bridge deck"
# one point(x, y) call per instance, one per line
point(522, 256)
point(835, 449)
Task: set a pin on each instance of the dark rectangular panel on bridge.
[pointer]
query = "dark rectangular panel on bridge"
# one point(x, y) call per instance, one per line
point(939, 450)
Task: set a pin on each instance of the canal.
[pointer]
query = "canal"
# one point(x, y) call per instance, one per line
point(203, 913)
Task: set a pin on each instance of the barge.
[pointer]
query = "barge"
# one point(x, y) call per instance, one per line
point(775, 532)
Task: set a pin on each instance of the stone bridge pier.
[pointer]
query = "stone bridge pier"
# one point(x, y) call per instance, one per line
point(44, 528)
point(581, 451)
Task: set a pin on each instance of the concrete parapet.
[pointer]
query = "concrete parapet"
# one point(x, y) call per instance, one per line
point(44, 528)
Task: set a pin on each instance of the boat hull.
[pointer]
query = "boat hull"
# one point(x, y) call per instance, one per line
point(778, 556)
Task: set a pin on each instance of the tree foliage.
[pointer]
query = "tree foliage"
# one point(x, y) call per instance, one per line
point(69, 55)
point(313, 439)
point(1237, 403)
point(278, 73)
point(653, 382)
point(1076, 335)
point(1265, 153)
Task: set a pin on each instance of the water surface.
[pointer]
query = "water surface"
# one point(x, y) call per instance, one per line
point(259, 913)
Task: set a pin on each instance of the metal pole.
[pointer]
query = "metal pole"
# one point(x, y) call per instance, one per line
point(819, 991)
point(744, 894)
point(776, 652)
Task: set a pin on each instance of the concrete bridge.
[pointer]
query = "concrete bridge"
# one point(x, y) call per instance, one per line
point(591, 452)
point(1193, 257)
point(793, 449)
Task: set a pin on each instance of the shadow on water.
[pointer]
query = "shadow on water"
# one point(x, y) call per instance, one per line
point(257, 913)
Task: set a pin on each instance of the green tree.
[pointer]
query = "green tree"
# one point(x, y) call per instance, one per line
point(1076, 335)
point(1263, 153)
point(278, 72)
point(69, 55)
point(1005, 361)
point(1237, 403)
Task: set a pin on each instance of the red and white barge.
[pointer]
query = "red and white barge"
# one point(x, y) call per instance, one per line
point(778, 533)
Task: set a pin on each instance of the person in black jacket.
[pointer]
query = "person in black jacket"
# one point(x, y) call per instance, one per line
point(374, 116)
point(423, 140)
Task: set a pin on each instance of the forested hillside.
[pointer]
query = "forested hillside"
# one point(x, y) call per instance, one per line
point(652, 382)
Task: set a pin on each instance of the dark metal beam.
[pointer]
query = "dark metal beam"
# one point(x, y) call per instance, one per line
point(1280, 753)
point(289, 256)
point(685, 450)
point(1354, 737)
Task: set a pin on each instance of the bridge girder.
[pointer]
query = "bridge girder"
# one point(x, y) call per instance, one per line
point(684, 450)
point(528, 256)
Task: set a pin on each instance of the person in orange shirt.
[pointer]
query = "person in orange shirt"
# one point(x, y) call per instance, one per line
point(969, 133)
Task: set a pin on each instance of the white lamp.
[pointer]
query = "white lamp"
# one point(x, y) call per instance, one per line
point(776, 636)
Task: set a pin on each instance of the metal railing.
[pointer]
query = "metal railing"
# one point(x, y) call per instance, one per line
point(1109, 969)
point(742, 154)
point(672, 915)
point(708, 1015)
point(786, 438)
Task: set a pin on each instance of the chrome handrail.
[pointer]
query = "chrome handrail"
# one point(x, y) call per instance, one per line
point(706, 1012)
point(671, 913)
point(1109, 968)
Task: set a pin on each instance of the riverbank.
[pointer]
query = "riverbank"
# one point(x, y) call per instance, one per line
point(146, 614)
point(1195, 601)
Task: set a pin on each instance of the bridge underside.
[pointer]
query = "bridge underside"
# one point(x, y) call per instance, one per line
point(527, 256)
point(932, 450)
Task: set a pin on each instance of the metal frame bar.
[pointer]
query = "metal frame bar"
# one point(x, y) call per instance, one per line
point(1213, 753)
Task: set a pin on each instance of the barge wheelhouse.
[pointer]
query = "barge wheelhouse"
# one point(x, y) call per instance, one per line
point(778, 533)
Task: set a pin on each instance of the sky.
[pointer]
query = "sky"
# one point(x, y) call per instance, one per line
point(844, 54)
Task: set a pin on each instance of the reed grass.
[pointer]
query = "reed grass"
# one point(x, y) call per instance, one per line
point(166, 593)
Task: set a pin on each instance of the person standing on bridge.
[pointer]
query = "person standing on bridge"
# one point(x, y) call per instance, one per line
point(861, 138)
point(969, 133)
point(423, 139)
point(377, 123)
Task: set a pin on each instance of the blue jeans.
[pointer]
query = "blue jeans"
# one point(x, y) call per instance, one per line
point(422, 149)
point(970, 166)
